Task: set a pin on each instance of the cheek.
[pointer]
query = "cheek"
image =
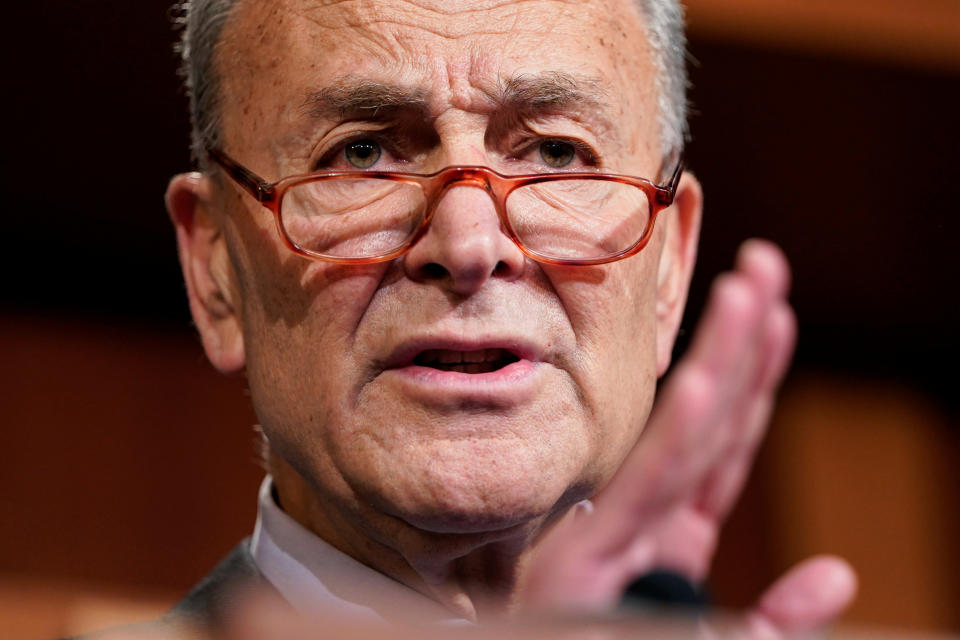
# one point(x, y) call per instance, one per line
point(612, 308)
point(615, 362)
point(299, 319)
point(302, 370)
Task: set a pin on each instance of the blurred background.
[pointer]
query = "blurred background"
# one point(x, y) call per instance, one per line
point(130, 466)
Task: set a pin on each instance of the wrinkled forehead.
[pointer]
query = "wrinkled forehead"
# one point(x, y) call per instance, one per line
point(275, 54)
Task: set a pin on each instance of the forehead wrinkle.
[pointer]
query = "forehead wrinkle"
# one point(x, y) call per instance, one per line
point(525, 93)
point(582, 96)
point(445, 19)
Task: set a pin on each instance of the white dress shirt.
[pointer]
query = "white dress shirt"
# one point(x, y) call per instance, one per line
point(316, 578)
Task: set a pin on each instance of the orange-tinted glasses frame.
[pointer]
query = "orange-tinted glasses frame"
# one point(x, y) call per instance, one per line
point(270, 195)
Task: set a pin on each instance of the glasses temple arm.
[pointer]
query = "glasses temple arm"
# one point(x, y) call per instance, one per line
point(257, 186)
point(666, 192)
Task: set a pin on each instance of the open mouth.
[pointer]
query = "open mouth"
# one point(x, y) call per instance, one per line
point(479, 361)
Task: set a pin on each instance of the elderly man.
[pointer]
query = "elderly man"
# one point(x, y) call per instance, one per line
point(449, 244)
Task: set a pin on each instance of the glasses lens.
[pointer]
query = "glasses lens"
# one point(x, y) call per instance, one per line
point(578, 219)
point(351, 217)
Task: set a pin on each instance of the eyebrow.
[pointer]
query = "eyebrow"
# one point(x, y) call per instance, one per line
point(552, 92)
point(350, 97)
point(527, 94)
point(551, 89)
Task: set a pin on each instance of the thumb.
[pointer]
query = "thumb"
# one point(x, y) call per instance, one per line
point(811, 595)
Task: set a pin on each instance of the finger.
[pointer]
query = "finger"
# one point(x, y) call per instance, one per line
point(694, 404)
point(753, 353)
point(766, 267)
point(698, 411)
point(732, 345)
point(729, 325)
point(780, 338)
point(762, 266)
point(691, 421)
point(723, 487)
point(744, 339)
point(809, 596)
point(658, 472)
point(685, 544)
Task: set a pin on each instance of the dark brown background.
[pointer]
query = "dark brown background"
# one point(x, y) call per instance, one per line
point(129, 466)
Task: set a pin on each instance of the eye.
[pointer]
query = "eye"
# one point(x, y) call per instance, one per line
point(362, 154)
point(557, 153)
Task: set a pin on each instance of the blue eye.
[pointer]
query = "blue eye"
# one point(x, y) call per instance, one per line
point(557, 153)
point(362, 154)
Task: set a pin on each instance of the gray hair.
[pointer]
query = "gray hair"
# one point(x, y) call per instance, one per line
point(202, 23)
point(663, 20)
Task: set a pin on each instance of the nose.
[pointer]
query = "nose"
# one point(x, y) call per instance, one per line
point(464, 246)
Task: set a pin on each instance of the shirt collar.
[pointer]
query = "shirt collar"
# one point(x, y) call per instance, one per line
point(316, 578)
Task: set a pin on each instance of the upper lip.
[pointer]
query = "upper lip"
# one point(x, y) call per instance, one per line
point(403, 355)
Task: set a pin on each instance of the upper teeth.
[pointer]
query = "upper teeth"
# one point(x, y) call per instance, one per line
point(448, 356)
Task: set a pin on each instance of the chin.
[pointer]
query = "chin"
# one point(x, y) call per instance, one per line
point(469, 516)
point(485, 489)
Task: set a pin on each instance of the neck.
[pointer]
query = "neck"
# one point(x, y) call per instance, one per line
point(476, 576)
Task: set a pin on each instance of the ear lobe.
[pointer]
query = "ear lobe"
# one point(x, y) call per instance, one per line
point(207, 270)
point(677, 259)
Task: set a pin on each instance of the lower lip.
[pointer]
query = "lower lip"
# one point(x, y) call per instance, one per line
point(508, 385)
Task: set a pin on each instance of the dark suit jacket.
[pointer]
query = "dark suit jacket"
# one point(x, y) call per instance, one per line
point(210, 602)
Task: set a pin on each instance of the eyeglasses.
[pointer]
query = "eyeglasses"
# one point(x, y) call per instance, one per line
point(361, 217)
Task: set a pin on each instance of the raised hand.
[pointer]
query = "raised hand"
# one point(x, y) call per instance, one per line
point(665, 506)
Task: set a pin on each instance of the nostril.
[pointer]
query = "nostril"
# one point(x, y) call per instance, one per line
point(436, 271)
point(433, 271)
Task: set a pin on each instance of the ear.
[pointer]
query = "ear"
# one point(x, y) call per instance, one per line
point(210, 278)
point(682, 230)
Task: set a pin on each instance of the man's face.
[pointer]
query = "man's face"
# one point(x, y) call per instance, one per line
point(357, 372)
